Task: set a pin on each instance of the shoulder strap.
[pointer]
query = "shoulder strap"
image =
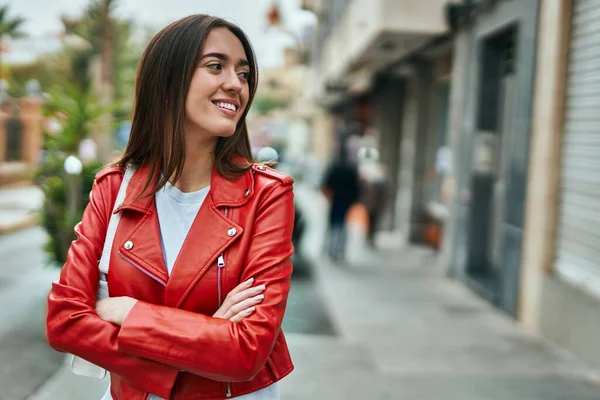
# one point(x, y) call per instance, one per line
point(80, 366)
point(114, 222)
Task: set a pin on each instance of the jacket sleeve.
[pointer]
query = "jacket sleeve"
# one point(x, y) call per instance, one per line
point(214, 348)
point(72, 323)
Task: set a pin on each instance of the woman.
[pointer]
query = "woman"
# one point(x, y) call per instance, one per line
point(191, 314)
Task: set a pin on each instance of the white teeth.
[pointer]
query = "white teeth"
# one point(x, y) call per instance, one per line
point(228, 106)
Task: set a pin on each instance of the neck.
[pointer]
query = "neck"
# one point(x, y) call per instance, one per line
point(199, 160)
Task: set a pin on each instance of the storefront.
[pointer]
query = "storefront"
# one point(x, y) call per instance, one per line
point(578, 237)
point(410, 103)
point(437, 155)
point(561, 265)
point(492, 147)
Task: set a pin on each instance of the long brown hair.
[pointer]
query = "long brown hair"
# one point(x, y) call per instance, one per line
point(163, 81)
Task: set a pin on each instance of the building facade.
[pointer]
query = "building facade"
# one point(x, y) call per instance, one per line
point(21, 138)
point(560, 291)
point(369, 71)
point(487, 125)
point(494, 79)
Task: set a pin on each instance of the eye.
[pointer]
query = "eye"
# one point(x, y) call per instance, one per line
point(215, 66)
point(244, 75)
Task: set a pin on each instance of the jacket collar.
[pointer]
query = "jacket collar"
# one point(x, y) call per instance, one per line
point(223, 192)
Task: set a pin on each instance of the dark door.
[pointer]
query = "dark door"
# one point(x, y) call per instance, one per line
point(491, 161)
point(14, 139)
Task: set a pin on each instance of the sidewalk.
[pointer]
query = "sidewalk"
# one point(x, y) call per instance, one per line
point(408, 332)
point(19, 206)
point(405, 332)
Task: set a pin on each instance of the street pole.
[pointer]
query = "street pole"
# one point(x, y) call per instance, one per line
point(73, 168)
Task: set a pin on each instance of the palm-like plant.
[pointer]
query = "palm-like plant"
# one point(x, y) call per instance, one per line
point(76, 110)
point(98, 27)
point(9, 28)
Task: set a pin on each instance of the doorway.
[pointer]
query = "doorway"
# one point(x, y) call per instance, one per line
point(491, 164)
point(14, 139)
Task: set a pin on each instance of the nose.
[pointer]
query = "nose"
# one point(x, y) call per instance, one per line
point(232, 82)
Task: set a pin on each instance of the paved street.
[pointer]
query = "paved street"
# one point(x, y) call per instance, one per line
point(306, 313)
point(407, 332)
point(26, 360)
point(18, 206)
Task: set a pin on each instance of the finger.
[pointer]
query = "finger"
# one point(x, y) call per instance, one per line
point(240, 291)
point(242, 286)
point(236, 291)
point(242, 305)
point(247, 293)
point(235, 298)
point(237, 308)
point(241, 315)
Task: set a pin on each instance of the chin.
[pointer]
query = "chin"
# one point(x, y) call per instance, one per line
point(224, 130)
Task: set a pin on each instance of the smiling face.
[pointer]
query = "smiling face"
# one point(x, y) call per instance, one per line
point(219, 90)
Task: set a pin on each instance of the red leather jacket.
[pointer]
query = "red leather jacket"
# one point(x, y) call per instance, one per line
point(169, 345)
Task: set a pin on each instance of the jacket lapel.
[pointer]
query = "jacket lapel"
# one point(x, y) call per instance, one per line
point(142, 248)
point(208, 237)
point(146, 251)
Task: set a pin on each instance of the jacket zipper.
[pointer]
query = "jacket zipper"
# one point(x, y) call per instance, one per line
point(148, 274)
point(141, 269)
point(220, 266)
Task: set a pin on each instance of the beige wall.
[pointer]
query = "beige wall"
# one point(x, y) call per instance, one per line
point(367, 23)
point(32, 139)
point(544, 162)
point(322, 140)
point(31, 116)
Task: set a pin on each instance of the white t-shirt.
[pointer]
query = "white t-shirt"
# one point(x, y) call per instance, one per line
point(176, 214)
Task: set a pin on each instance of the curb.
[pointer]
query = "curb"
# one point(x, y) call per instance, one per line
point(28, 222)
point(64, 384)
point(326, 294)
point(318, 261)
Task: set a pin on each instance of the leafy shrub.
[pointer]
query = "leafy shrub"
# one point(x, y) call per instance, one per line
point(56, 216)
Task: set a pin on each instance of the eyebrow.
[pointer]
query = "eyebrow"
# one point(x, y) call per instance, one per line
point(223, 57)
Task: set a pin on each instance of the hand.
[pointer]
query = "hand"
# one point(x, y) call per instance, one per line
point(241, 301)
point(115, 309)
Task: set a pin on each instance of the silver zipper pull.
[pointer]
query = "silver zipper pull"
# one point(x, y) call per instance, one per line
point(221, 261)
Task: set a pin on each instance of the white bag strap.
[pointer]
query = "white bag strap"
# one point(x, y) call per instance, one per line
point(79, 366)
point(103, 264)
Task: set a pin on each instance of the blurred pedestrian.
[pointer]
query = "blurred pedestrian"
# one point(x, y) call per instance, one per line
point(200, 263)
point(373, 188)
point(341, 187)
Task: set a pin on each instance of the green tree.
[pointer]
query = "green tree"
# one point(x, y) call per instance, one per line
point(99, 28)
point(76, 110)
point(51, 70)
point(9, 28)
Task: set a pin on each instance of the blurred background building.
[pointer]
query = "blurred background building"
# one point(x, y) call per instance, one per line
point(484, 114)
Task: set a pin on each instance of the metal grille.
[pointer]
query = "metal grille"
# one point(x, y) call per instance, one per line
point(578, 253)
